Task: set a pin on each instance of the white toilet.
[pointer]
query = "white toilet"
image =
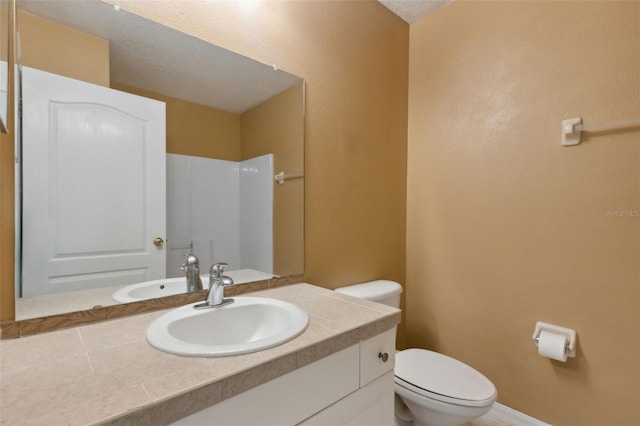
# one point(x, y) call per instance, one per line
point(431, 388)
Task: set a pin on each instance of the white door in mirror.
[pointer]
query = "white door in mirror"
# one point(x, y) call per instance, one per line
point(94, 192)
point(249, 324)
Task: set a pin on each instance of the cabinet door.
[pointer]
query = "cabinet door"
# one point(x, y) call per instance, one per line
point(372, 405)
point(288, 399)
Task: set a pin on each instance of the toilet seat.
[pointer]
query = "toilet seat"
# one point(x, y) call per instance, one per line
point(437, 376)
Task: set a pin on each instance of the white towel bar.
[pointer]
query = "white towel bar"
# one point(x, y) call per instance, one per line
point(572, 128)
point(281, 177)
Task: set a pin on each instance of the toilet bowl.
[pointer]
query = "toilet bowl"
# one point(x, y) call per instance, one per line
point(439, 390)
point(431, 388)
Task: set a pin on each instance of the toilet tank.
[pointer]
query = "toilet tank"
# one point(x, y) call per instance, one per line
point(381, 291)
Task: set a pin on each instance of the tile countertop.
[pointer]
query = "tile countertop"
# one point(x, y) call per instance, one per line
point(106, 373)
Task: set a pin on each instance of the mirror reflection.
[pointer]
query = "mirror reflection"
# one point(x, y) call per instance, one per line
point(140, 144)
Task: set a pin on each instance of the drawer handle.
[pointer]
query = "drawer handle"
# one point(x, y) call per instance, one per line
point(383, 356)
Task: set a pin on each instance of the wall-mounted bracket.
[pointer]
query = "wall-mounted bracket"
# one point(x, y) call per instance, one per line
point(281, 177)
point(571, 134)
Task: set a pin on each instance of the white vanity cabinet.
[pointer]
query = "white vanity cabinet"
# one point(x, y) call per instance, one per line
point(351, 387)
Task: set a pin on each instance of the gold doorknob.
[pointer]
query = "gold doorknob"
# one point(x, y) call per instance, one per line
point(158, 242)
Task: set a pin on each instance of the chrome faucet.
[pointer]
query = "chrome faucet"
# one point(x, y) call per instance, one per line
point(217, 283)
point(191, 268)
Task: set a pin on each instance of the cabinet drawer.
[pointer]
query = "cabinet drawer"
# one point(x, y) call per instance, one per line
point(377, 356)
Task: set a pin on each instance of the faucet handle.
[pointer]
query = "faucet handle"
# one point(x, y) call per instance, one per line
point(217, 269)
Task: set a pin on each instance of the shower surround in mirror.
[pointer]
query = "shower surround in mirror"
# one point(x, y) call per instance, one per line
point(241, 196)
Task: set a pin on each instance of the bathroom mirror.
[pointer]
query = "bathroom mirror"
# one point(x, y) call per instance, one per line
point(5, 13)
point(223, 111)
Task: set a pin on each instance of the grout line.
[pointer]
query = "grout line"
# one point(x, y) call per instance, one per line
point(90, 363)
point(146, 392)
point(86, 352)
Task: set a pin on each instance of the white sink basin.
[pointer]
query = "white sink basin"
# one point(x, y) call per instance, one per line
point(152, 290)
point(249, 324)
point(171, 286)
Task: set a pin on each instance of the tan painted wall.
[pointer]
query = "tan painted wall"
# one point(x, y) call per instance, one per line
point(277, 126)
point(197, 130)
point(505, 226)
point(4, 35)
point(52, 47)
point(7, 306)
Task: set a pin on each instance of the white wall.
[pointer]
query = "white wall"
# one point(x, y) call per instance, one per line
point(226, 214)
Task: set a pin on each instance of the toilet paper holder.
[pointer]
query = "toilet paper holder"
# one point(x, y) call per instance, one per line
point(570, 334)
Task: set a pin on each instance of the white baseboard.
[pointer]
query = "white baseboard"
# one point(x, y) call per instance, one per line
point(512, 417)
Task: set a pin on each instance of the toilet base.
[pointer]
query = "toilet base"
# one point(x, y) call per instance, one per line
point(399, 422)
point(430, 412)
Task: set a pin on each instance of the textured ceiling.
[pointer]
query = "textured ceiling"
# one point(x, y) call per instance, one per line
point(153, 57)
point(412, 10)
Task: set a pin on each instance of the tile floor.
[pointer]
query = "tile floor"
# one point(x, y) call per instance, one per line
point(486, 420)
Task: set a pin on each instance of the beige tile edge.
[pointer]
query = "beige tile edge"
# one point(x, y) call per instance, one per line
point(168, 411)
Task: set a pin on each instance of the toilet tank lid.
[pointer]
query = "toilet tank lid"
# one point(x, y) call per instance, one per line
point(372, 290)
